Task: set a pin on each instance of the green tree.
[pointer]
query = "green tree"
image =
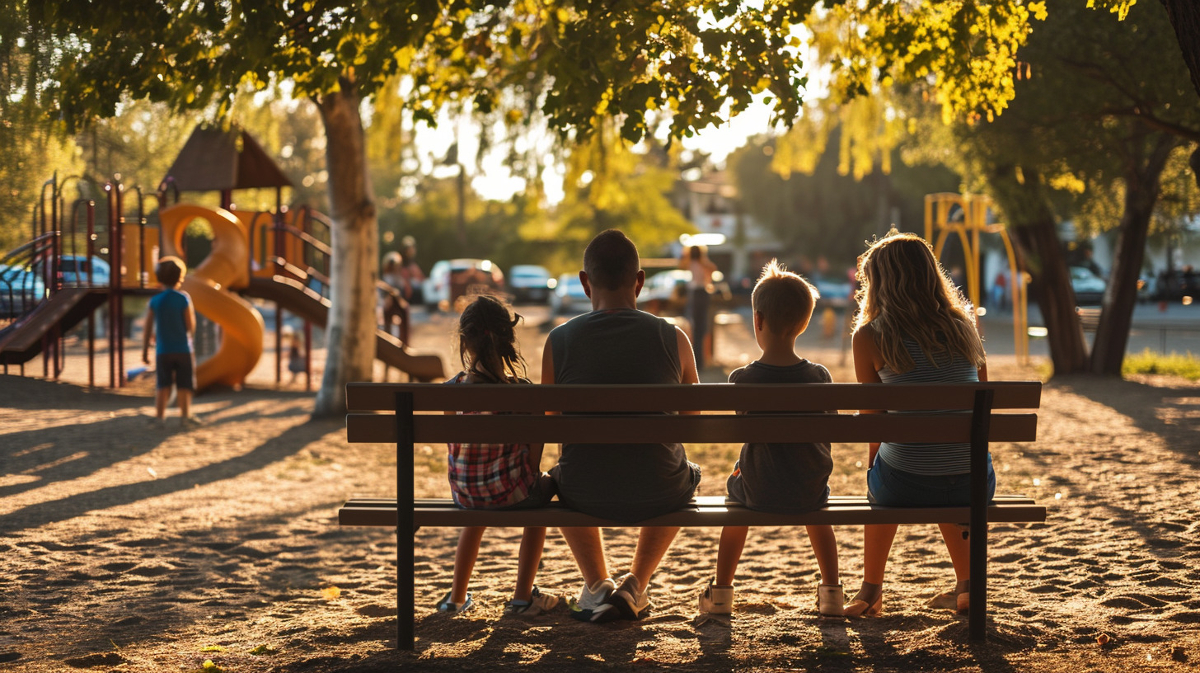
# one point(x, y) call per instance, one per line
point(696, 60)
point(823, 208)
point(1104, 107)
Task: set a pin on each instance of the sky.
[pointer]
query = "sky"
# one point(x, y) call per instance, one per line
point(495, 182)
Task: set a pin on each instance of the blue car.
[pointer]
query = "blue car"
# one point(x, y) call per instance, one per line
point(20, 291)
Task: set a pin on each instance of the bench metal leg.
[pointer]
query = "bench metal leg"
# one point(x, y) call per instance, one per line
point(980, 425)
point(405, 561)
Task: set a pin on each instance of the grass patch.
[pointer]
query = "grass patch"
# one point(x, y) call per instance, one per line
point(1149, 362)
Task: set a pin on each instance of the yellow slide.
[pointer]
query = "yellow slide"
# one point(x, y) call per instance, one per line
point(210, 285)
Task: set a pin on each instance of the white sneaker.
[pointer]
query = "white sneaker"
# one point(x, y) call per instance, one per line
point(536, 605)
point(829, 601)
point(716, 599)
point(590, 599)
point(629, 601)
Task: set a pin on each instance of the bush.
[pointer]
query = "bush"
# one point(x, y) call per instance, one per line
point(1149, 362)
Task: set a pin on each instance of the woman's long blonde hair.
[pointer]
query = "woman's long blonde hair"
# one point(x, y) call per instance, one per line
point(904, 293)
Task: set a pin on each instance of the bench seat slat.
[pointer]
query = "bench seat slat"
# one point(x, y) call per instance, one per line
point(849, 511)
point(698, 501)
point(363, 397)
point(633, 429)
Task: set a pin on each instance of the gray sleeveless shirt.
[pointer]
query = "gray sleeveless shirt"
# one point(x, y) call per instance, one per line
point(626, 482)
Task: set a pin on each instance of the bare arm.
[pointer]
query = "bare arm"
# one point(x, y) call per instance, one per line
point(147, 335)
point(189, 319)
point(687, 362)
point(867, 362)
point(535, 451)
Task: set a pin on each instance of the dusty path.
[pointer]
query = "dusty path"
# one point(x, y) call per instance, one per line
point(127, 547)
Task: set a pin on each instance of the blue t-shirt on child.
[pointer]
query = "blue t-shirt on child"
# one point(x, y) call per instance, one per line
point(170, 307)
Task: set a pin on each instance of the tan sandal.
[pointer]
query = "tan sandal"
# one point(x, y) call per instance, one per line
point(860, 608)
point(963, 603)
point(947, 600)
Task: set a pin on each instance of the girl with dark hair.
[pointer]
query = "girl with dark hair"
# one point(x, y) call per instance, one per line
point(495, 476)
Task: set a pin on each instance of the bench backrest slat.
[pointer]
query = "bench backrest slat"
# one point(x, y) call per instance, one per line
point(635, 429)
point(362, 397)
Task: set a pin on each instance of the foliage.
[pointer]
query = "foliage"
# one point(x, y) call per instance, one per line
point(1150, 362)
point(608, 184)
point(31, 155)
point(965, 49)
point(822, 212)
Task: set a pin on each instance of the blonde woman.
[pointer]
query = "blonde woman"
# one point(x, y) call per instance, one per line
point(914, 326)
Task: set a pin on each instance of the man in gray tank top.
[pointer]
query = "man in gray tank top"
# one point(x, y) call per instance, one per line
point(617, 343)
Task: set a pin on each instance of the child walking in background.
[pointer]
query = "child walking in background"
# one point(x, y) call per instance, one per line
point(496, 476)
point(784, 478)
point(297, 363)
point(171, 314)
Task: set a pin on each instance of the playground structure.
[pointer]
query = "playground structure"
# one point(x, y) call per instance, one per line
point(942, 218)
point(280, 256)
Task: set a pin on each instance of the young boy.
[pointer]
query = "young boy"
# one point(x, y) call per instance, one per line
point(172, 314)
point(779, 477)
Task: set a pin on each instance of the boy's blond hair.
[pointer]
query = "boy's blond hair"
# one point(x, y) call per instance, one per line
point(785, 299)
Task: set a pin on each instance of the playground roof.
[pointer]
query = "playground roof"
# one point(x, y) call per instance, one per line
point(215, 159)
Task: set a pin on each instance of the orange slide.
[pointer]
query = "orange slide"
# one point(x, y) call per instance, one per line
point(211, 286)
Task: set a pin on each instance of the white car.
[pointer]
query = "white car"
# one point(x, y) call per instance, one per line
point(530, 283)
point(1088, 287)
point(450, 279)
point(666, 291)
point(569, 296)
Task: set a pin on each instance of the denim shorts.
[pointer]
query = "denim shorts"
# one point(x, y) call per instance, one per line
point(895, 488)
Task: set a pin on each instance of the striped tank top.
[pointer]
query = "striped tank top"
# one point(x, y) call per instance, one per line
point(929, 459)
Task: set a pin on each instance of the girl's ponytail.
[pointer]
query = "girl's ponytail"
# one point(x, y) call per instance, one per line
point(486, 331)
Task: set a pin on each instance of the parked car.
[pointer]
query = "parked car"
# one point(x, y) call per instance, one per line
point(666, 292)
point(836, 294)
point(1089, 288)
point(451, 279)
point(569, 296)
point(74, 270)
point(530, 283)
point(20, 291)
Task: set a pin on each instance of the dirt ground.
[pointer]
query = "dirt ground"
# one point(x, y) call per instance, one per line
point(126, 546)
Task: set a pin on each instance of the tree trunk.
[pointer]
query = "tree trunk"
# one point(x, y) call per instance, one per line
point(1022, 197)
point(1185, 19)
point(1120, 297)
point(350, 333)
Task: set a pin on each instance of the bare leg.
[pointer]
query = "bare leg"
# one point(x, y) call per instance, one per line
point(824, 546)
point(185, 403)
point(653, 543)
point(877, 544)
point(160, 402)
point(587, 546)
point(464, 561)
point(733, 540)
point(960, 555)
point(533, 540)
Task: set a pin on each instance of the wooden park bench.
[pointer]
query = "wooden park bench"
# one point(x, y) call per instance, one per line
point(406, 414)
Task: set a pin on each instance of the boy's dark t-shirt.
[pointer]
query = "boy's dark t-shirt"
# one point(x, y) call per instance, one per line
point(170, 306)
point(782, 477)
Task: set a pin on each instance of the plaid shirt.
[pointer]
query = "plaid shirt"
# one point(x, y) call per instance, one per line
point(489, 476)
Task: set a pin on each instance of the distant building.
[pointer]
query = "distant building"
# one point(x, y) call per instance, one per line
point(711, 203)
